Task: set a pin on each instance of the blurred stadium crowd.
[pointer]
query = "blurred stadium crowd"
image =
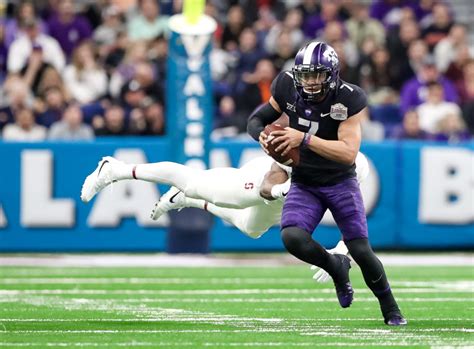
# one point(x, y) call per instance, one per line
point(78, 69)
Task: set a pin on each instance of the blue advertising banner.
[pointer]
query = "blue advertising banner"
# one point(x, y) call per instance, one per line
point(40, 208)
point(417, 196)
point(437, 196)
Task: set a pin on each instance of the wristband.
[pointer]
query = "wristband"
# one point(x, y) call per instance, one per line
point(306, 139)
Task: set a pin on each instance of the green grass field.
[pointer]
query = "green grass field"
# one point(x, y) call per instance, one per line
point(239, 307)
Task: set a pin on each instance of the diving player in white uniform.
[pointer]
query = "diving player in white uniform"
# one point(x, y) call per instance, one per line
point(250, 197)
point(233, 194)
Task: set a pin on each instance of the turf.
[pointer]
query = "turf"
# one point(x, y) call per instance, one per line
point(227, 308)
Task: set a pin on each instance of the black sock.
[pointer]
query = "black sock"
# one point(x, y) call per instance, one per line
point(301, 245)
point(373, 272)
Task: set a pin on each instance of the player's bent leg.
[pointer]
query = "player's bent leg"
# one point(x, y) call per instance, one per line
point(301, 245)
point(252, 221)
point(175, 199)
point(376, 279)
point(345, 202)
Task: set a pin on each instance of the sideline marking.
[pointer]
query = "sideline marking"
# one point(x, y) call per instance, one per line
point(220, 260)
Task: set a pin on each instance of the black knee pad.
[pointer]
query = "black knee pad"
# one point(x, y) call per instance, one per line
point(360, 249)
point(294, 237)
point(301, 245)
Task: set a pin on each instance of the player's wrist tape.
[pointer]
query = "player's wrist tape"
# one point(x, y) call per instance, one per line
point(306, 139)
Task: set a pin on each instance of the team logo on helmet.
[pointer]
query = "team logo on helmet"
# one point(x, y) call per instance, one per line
point(331, 56)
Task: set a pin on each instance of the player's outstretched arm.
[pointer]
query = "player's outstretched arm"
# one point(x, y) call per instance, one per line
point(275, 184)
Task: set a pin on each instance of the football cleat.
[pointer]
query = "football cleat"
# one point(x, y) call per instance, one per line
point(395, 318)
point(102, 176)
point(322, 275)
point(173, 199)
point(344, 291)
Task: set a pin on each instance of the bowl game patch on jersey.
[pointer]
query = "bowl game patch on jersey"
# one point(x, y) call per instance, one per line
point(338, 111)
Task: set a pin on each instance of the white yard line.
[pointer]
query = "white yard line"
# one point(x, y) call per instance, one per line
point(254, 330)
point(214, 344)
point(213, 293)
point(402, 285)
point(151, 320)
point(178, 300)
point(222, 260)
point(90, 344)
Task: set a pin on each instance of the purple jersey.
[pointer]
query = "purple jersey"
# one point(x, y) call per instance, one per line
point(69, 35)
point(320, 119)
point(414, 93)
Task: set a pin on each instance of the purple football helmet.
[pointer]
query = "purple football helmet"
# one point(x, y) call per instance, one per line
point(316, 71)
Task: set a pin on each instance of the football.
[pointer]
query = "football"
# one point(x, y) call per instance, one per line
point(290, 159)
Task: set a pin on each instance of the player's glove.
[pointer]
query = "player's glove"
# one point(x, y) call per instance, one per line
point(321, 275)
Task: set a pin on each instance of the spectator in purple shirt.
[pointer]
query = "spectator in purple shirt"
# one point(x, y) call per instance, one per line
point(389, 11)
point(423, 11)
point(68, 28)
point(414, 91)
point(25, 11)
point(314, 25)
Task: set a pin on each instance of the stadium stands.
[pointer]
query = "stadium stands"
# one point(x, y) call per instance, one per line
point(112, 54)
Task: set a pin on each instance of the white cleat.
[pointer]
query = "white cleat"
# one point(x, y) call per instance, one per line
point(102, 176)
point(173, 199)
point(321, 275)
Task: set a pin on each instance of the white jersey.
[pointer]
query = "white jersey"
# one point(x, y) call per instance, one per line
point(255, 220)
point(232, 194)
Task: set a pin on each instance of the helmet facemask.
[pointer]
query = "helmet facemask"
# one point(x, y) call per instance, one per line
point(312, 82)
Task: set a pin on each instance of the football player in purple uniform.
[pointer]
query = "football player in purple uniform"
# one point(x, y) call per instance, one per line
point(324, 113)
